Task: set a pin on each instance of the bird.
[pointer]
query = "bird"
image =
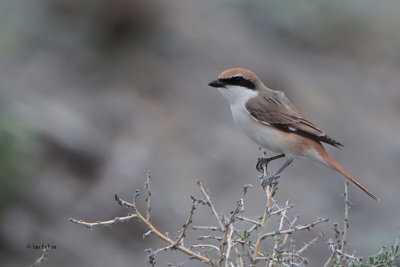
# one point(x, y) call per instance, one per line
point(270, 119)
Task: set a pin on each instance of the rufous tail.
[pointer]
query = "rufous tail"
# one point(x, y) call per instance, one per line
point(335, 165)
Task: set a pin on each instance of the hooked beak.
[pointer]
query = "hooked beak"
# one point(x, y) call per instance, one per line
point(217, 84)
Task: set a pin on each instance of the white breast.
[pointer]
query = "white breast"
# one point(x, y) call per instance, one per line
point(264, 135)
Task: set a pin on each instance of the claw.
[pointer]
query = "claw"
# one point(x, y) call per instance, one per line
point(261, 164)
point(270, 180)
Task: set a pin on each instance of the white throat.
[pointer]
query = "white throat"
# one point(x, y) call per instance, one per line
point(237, 94)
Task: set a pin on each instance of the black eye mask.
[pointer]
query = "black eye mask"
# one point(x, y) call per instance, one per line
point(239, 81)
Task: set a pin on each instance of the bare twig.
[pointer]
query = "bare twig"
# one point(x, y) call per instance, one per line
point(205, 246)
point(203, 227)
point(203, 237)
point(270, 189)
point(186, 225)
point(148, 197)
point(308, 244)
point(240, 262)
point(257, 223)
point(277, 241)
point(341, 253)
point(227, 226)
point(142, 218)
point(42, 258)
point(295, 229)
point(346, 215)
point(210, 204)
point(167, 239)
point(333, 248)
point(230, 245)
point(253, 228)
point(262, 258)
point(124, 203)
point(292, 224)
point(107, 223)
point(278, 211)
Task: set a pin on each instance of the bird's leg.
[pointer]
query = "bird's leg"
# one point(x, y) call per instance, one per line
point(271, 180)
point(263, 162)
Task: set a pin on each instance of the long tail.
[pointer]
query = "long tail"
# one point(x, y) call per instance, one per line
point(336, 166)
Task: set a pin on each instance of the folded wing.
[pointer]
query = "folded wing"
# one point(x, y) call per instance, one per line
point(276, 110)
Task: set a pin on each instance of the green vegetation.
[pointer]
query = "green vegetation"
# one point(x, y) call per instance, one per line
point(15, 148)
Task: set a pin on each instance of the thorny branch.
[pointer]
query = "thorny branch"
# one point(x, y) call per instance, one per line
point(210, 204)
point(107, 223)
point(269, 191)
point(186, 225)
point(346, 214)
point(308, 244)
point(148, 197)
point(227, 228)
point(295, 229)
point(137, 214)
point(337, 247)
point(236, 240)
point(277, 241)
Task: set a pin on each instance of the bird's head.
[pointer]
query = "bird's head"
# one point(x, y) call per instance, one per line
point(237, 84)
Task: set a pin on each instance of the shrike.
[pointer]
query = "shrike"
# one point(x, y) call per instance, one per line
point(269, 119)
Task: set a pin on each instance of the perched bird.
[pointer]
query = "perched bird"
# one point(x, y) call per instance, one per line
point(269, 119)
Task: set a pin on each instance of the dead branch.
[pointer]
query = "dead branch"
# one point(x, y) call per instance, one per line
point(235, 246)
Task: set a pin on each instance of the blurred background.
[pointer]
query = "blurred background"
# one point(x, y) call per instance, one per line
point(94, 93)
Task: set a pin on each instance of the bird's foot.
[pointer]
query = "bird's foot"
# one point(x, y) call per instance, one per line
point(271, 181)
point(262, 164)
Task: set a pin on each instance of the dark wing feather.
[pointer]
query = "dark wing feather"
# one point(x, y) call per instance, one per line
point(276, 110)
